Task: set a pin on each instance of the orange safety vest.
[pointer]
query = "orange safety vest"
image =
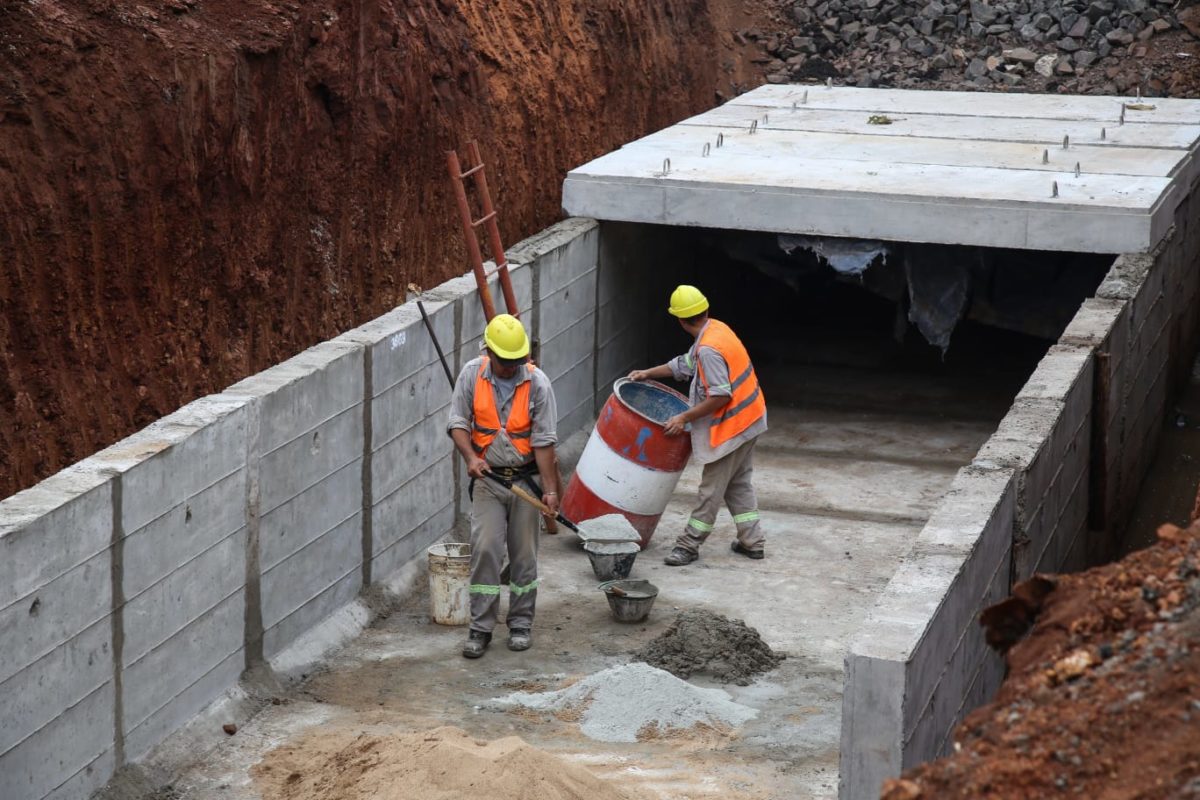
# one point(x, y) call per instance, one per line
point(747, 405)
point(487, 417)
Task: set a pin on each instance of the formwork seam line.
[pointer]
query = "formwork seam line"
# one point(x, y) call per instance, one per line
point(416, 527)
point(175, 696)
point(84, 560)
point(590, 271)
point(429, 365)
point(572, 368)
point(332, 584)
point(587, 317)
point(58, 716)
point(420, 473)
point(424, 420)
point(302, 547)
point(186, 564)
point(307, 431)
point(324, 477)
point(185, 501)
point(198, 618)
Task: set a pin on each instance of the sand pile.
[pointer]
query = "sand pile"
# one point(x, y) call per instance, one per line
point(440, 764)
point(703, 642)
point(636, 702)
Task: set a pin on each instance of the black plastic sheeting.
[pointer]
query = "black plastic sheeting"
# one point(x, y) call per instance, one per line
point(935, 287)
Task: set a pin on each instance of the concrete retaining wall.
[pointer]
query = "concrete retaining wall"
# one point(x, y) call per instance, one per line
point(137, 586)
point(1048, 492)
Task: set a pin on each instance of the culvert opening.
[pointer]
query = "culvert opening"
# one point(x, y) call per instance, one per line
point(908, 329)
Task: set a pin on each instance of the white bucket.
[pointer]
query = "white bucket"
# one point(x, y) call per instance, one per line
point(450, 583)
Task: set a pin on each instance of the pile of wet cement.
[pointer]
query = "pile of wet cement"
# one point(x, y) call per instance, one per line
point(439, 764)
point(634, 702)
point(701, 642)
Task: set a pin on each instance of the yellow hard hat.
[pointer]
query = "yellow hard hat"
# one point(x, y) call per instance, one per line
point(505, 336)
point(687, 301)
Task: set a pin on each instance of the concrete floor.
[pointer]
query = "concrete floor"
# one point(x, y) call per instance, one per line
point(843, 488)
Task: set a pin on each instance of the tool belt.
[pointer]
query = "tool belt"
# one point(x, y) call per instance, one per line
point(524, 474)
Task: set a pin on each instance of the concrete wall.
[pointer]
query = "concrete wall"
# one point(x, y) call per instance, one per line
point(1048, 492)
point(137, 586)
point(919, 662)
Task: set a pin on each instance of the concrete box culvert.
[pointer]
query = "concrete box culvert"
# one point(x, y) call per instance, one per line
point(898, 506)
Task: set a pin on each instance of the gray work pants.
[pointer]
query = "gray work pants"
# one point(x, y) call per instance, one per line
point(500, 523)
point(726, 479)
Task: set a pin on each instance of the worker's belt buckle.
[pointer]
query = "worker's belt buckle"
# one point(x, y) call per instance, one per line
point(512, 473)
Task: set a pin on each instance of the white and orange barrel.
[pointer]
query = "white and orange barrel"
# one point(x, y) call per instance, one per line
point(630, 466)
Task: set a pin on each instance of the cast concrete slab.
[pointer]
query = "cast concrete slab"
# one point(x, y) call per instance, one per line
point(996, 170)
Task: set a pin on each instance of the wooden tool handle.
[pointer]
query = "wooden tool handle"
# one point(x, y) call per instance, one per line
point(529, 498)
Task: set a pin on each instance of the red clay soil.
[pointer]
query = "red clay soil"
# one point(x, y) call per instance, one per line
point(1103, 696)
point(194, 190)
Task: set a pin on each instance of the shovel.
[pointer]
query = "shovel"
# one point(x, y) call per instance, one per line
point(533, 501)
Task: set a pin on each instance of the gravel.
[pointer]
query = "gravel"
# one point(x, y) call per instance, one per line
point(1035, 45)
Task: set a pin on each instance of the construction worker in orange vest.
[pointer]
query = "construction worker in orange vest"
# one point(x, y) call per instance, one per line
point(503, 422)
point(727, 415)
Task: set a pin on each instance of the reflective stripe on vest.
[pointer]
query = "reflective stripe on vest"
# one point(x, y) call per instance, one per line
point(487, 416)
point(747, 405)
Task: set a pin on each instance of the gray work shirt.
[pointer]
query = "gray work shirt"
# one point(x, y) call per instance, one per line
point(543, 411)
point(683, 368)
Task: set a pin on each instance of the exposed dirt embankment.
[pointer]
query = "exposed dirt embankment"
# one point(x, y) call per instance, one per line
point(1102, 696)
point(196, 189)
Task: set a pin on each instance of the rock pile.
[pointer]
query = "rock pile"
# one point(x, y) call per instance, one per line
point(1030, 44)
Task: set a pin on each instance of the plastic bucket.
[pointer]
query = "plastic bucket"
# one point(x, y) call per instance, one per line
point(630, 466)
point(450, 583)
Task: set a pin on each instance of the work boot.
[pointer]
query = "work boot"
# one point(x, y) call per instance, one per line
point(477, 642)
point(519, 639)
point(737, 547)
point(679, 557)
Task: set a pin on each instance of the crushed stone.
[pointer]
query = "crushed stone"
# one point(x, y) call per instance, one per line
point(701, 642)
point(632, 702)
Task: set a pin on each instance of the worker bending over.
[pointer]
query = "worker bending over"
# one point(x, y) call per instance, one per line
point(502, 421)
point(727, 415)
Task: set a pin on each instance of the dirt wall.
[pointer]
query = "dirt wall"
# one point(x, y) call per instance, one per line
point(196, 189)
